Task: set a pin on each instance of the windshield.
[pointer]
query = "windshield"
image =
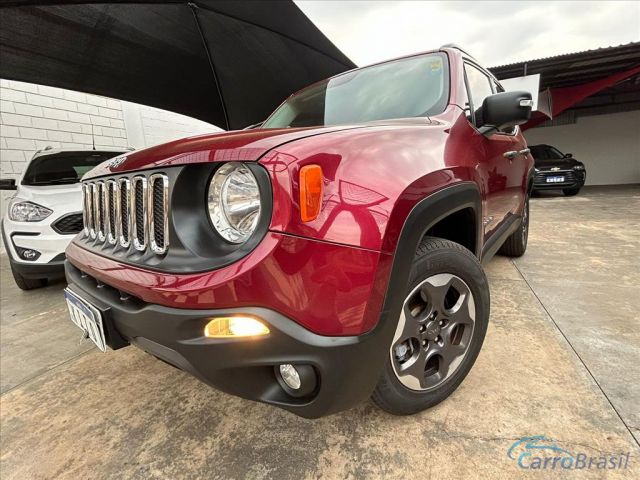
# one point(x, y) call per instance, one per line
point(63, 168)
point(546, 153)
point(409, 87)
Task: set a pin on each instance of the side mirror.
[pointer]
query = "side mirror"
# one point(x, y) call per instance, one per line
point(568, 155)
point(8, 184)
point(504, 110)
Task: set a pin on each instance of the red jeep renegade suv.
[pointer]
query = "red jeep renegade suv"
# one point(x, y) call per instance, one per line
point(332, 254)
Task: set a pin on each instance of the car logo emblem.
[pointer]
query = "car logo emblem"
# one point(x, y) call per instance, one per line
point(116, 162)
point(555, 169)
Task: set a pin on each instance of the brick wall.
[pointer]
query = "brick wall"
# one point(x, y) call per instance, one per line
point(34, 116)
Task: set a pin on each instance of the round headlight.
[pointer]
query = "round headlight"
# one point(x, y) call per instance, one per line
point(234, 202)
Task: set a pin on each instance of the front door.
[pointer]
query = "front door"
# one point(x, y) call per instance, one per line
point(496, 155)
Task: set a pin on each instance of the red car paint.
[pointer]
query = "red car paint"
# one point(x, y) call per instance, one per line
point(330, 275)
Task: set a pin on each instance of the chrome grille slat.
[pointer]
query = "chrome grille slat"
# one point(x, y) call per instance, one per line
point(91, 211)
point(158, 213)
point(128, 212)
point(101, 211)
point(85, 209)
point(110, 209)
point(124, 218)
point(138, 214)
point(97, 220)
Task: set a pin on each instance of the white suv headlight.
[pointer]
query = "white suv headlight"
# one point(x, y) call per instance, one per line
point(21, 211)
point(234, 202)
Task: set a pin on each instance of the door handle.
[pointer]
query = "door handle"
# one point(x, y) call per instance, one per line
point(511, 154)
point(525, 152)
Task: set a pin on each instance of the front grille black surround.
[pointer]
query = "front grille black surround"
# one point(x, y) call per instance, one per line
point(187, 242)
point(70, 224)
point(540, 178)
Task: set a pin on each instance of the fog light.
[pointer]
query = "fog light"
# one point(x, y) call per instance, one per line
point(224, 327)
point(297, 381)
point(290, 376)
point(27, 253)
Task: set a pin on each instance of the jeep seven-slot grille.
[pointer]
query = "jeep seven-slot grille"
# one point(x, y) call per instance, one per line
point(128, 212)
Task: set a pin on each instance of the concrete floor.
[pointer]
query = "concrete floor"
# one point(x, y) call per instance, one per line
point(561, 359)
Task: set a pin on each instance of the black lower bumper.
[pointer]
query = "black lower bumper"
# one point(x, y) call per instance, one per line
point(52, 270)
point(558, 186)
point(573, 180)
point(347, 368)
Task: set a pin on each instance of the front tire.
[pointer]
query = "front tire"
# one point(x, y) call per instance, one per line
point(440, 331)
point(28, 283)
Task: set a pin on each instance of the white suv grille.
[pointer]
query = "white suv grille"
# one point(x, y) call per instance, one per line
point(127, 212)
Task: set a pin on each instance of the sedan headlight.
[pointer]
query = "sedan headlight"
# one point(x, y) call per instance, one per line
point(234, 202)
point(579, 167)
point(21, 211)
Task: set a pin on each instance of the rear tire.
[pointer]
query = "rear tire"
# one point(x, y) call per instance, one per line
point(516, 244)
point(570, 192)
point(435, 324)
point(28, 283)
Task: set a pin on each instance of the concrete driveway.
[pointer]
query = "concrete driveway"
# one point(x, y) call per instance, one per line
point(561, 359)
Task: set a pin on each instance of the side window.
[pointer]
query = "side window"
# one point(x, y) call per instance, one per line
point(479, 86)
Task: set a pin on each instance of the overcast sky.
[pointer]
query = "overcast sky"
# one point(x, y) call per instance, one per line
point(496, 33)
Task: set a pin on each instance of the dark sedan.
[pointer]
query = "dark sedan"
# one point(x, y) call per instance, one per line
point(555, 170)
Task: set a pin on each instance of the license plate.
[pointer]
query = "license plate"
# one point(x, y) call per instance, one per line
point(87, 318)
point(555, 179)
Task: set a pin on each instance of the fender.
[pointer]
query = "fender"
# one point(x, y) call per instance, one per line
point(425, 214)
point(422, 217)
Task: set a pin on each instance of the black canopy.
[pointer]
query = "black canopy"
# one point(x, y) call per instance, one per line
point(229, 63)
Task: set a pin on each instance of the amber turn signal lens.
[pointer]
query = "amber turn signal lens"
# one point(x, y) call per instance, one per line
point(225, 327)
point(310, 192)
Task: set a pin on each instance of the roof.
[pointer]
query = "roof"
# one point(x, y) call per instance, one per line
point(574, 68)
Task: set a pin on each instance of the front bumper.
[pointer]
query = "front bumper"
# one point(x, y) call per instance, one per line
point(573, 179)
point(49, 266)
point(347, 367)
point(38, 236)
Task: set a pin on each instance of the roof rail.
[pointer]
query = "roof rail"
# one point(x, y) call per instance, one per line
point(457, 47)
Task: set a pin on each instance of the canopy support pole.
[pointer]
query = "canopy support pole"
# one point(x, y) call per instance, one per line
point(194, 9)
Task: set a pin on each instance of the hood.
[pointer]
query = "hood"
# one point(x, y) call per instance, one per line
point(561, 163)
point(242, 145)
point(59, 198)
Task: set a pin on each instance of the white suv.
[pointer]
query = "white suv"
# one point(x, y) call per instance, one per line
point(46, 212)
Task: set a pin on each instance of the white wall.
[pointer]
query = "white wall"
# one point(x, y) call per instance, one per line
point(35, 116)
point(609, 145)
point(146, 126)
